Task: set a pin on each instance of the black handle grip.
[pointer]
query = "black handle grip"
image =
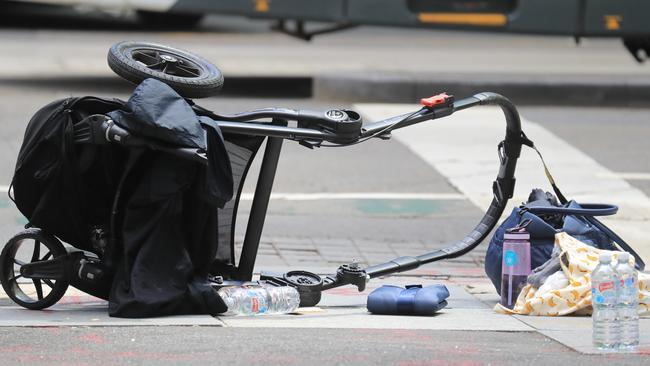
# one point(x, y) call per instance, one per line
point(119, 135)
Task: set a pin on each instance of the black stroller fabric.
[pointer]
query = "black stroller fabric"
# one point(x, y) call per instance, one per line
point(63, 188)
point(155, 110)
point(169, 224)
point(165, 231)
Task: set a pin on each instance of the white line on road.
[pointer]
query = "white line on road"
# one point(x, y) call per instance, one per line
point(359, 196)
point(345, 196)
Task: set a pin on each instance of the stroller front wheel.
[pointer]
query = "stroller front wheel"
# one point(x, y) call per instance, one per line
point(28, 247)
point(190, 75)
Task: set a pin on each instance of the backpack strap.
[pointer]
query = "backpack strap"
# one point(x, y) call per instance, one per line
point(588, 210)
point(528, 142)
point(638, 262)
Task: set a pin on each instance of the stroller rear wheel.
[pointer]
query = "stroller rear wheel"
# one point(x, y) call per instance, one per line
point(30, 246)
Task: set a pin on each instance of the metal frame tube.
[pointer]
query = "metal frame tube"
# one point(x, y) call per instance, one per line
point(409, 119)
point(505, 181)
point(258, 209)
point(503, 187)
point(262, 129)
point(256, 128)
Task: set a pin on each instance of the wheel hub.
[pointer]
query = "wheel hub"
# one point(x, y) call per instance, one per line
point(169, 59)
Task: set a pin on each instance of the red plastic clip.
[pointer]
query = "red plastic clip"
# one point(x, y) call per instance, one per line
point(435, 100)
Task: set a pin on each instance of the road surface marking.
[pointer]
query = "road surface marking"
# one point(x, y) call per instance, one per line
point(359, 196)
point(246, 196)
point(462, 148)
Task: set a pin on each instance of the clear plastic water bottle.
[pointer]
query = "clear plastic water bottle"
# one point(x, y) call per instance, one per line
point(515, 266)
point(628, 302)
point(606, 328)
point(257, 300)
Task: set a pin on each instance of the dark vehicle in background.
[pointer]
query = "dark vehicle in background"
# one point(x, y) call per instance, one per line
point(625, 19)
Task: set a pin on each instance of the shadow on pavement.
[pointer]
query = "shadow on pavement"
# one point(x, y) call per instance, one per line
point(261, 87)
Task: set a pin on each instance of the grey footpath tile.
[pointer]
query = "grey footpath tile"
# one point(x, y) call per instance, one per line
point(265, 263)
point(90, 314)
point(376, 260)
point(291, 241)
point(333, 242)
point(342, 258)
point(580, 340)
point(409, 252)
point(303, 258)
point(341, 253)
point(576, 331)
point(407, 245)
point(557, 323)
point(354, 317)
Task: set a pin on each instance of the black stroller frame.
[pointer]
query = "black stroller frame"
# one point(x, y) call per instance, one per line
point(313, 129)
point(311, 285)
point(194, 77)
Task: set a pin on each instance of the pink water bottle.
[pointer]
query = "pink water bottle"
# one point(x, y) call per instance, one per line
point(515, 265)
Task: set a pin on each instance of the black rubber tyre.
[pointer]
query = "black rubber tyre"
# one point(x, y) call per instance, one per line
point(10, 270)
point(190, 75)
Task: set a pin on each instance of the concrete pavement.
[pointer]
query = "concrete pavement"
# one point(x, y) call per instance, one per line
point(344, 308)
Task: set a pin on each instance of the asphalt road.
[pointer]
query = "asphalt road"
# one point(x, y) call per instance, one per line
point(239, 47)
point(614, 137)
point(207, 345)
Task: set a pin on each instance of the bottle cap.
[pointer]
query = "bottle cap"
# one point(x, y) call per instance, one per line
point(623, 257)
point(517, 233)
point(605, 257)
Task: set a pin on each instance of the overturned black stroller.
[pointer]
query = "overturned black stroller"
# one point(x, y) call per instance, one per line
point(152, 186)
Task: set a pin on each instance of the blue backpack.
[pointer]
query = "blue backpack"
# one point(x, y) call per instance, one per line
point(544, 217)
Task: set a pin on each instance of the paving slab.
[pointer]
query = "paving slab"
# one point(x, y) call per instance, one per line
point(575, 331)
point(344, 307)
point(354, 317)
point(339, 308)
point(90, 312)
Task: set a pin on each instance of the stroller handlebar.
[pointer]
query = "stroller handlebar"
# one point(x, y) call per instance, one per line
point(339, 126)
point(99, 129)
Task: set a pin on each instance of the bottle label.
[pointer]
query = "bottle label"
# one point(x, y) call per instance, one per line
point(604, 293)
point(258, 303)
point(629, 288)
point(510, 258)
point(605, 286)
point(516, 258)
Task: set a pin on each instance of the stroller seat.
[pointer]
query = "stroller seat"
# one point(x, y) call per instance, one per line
point(149, 195)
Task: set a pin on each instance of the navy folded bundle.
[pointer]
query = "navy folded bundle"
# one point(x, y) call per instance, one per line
point(412, 300)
